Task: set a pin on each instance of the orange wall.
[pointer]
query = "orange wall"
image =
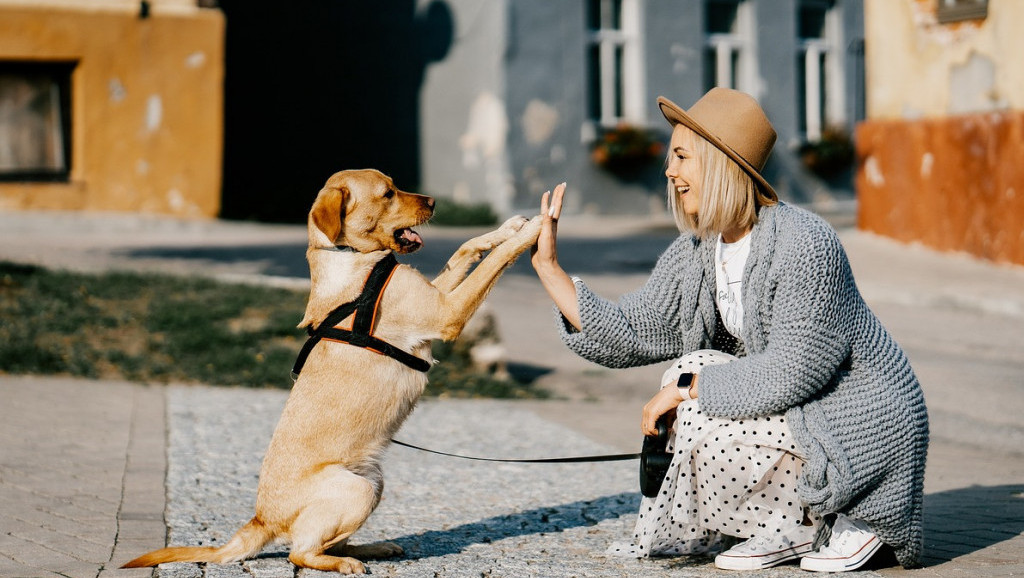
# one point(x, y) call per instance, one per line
point(147, 98)
point(954, 184)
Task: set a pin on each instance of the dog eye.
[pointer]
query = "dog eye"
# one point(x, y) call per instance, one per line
point(389, 193)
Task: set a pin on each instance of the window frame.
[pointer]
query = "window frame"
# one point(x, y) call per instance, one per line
point(620, 85)
point(731, 55)
point(821, 78)
point(958, 10)
point(61, 76)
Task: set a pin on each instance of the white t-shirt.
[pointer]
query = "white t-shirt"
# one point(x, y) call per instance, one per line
point(730, 259)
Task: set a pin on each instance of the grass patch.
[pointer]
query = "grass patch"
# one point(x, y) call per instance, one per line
point(449, 213)
point(161, 328)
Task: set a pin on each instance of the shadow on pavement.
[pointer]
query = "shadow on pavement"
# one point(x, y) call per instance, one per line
point(962, 521)
point(548, 519)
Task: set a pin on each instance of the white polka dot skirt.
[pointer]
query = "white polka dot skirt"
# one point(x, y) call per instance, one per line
point(728, 477)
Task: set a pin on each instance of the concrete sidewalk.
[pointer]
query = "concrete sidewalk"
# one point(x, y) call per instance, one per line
point(84, 492)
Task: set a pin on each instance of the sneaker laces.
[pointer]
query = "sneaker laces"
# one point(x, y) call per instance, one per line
point(775, 542)
point(756, 544)
point(847, 532)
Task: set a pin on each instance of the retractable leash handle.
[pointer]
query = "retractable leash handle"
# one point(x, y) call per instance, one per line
point(654, 460)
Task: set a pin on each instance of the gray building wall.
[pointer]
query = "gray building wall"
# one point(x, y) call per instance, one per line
point(504, 113)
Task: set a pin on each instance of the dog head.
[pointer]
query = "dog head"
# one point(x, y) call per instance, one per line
point(363, 209)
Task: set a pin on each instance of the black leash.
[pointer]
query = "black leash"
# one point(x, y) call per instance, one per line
point(571, 460)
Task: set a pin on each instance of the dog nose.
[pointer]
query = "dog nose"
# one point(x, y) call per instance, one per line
point(430, 202)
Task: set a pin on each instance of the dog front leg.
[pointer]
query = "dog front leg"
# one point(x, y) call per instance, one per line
point(460, 304)
point(472, 250)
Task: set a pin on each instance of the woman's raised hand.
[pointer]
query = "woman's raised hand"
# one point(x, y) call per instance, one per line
point(544, 257)
point(545, 252)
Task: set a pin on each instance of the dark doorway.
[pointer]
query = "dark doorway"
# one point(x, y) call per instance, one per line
point(317, 86)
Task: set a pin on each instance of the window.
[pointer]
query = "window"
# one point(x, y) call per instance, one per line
point(35, 121)
point(615, 62)
point(819, 69)
point(728, 52)
point(956, 10)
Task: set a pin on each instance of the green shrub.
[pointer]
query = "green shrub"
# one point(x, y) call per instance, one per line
point(449, 213)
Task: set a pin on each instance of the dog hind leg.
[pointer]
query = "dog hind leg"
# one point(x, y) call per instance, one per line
point(342, 501)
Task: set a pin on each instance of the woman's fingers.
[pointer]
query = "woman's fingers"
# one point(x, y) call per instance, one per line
point(554, 209)
point(550, 207)
point(663, 402)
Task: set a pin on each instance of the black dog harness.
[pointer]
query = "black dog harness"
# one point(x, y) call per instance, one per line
point(364, 321)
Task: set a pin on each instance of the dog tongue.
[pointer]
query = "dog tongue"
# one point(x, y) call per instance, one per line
point(412, 237)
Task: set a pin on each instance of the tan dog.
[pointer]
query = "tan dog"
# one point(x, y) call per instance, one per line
point(321, 477)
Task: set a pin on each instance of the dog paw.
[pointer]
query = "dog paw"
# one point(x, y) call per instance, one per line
point(350, 566)
point(531, 229)
point(514, 224)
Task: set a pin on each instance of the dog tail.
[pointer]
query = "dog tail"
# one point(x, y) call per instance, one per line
point(247, 542)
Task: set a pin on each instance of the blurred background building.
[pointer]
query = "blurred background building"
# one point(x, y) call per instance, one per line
point(111, 105)
point(942, 150)
point(242, 108)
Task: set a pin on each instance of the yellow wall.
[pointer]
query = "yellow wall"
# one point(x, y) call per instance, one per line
point(918, 68)
point(147, 98)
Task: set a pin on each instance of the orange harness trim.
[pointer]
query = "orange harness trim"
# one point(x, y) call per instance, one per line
point(364, 311)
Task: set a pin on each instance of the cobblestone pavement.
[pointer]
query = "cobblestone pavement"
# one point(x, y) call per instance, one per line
point(453, 517)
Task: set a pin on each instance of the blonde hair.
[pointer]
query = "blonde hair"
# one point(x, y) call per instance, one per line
point(729, 196)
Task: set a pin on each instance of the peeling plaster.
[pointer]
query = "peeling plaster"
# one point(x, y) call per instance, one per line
point(927, 161)
point(558, 154)
point(175, 200)
point(195, 60)
point(154, 113)
point(682, 57)
point(539, 121)
point(873, 172)
point(972, 86)
point(116, 90)
point(918, 66)
point(486, 130)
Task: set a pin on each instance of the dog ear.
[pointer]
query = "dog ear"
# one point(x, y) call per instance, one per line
point(327, 211)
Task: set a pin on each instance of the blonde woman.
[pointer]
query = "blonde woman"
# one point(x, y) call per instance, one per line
point(800, 429)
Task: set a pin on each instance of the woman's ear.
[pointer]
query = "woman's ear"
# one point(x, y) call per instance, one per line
point(328, 212)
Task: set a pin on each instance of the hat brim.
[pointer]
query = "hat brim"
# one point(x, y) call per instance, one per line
point(676, 115)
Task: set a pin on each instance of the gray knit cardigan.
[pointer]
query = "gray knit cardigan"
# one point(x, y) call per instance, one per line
point(816, 353)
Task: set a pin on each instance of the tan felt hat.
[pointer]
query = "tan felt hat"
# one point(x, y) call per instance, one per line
point(734, 122)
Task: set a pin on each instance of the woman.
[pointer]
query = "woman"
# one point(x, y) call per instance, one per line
point(803, 431)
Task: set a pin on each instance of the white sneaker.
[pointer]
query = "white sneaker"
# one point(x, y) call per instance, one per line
point(765, 551)
point(852, 544)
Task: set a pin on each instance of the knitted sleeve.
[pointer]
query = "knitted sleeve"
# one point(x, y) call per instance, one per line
point(649, 325)
point(808, 300)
